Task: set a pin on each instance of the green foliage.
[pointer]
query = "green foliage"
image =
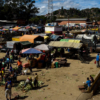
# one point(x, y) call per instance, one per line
point(92, 13)
point(18, 9)
point(41, 19)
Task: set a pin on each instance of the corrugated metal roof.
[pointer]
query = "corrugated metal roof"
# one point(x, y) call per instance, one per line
point(72, 19)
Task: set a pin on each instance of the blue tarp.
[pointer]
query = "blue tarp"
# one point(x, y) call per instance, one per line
point(54, 37)
point(1, 30)
point(32, 51)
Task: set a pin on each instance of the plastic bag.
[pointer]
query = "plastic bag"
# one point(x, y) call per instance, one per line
point(95, 62)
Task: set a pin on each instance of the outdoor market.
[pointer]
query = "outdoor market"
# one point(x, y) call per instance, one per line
point(29, 58)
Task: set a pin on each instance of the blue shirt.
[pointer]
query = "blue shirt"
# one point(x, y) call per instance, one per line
point(97, 58)
point(10, 68)
point(88, 83)
point(68, 50)
point(7, 60)
point(8, 82)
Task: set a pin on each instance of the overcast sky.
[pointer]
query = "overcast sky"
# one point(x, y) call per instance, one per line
point(57, 4)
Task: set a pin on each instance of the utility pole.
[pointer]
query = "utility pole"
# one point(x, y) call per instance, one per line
point(50, 9)
point(68, 22)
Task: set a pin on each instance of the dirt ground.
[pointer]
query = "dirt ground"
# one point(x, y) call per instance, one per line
point(59, 83)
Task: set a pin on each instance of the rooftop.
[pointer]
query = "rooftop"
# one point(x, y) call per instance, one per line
point(72, 19)
point(6, 21)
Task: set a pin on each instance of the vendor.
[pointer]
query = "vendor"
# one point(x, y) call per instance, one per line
point(30, 64)
point(28, 81)
point(36, 80)
point(42, 58)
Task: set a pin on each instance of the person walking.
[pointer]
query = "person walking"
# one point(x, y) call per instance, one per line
point(97, 60)
point(11, 58)
point(7, 53)
point(7, 61)
point(19, 63)
point(12, 52)
point(8, 87)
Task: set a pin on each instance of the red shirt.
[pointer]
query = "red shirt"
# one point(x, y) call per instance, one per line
point(43, 57)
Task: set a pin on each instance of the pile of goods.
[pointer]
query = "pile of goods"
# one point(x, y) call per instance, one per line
point(28, 87)
point(2, 83)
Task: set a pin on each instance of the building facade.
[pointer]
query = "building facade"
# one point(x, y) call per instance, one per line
point(73, 21)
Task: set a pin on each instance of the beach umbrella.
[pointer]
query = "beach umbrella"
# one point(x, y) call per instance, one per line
point(43, 47)
point(31, 51)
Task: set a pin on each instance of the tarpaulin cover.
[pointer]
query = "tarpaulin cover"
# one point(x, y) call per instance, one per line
point(32, 51)
point(70, 40)
point(29, 38)
point(43, 47)
point(65, 44)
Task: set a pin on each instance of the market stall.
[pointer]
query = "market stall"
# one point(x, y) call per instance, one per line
point(36, 39)
point(34, 60)
point(74, 49)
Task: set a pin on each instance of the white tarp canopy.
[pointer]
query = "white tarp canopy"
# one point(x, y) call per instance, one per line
point(23, 29)
point(43, 47)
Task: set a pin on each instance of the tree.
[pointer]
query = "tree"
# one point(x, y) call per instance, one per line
point(20, 9)
point(62, 11)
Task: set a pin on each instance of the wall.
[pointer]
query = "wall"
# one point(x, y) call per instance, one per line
point(65, 22)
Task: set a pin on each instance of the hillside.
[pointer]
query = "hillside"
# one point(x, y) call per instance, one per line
point(92, 14)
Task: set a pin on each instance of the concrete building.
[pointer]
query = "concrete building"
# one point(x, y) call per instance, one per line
point(73, 21)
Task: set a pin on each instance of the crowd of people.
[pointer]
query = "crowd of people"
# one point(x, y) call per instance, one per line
point(9, 73)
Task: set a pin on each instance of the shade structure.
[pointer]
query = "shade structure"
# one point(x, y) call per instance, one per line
point(16, 28)
point(23, 29)
point(31, 38)
point(65, 44)
point(31, 51)
point(5, 29)
point(43, 47)
point(23, 50)
point(27, 27)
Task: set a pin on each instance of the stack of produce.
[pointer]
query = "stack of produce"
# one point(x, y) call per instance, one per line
point(28, 87)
